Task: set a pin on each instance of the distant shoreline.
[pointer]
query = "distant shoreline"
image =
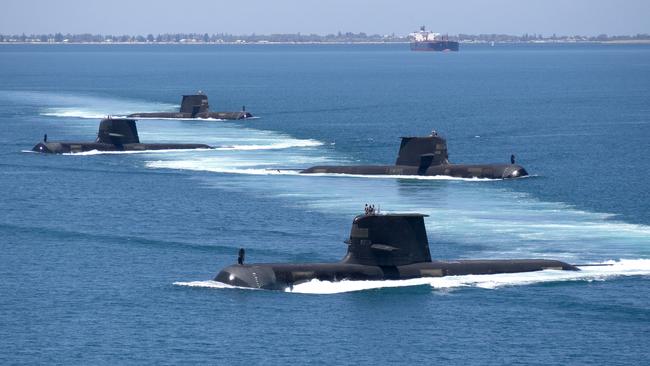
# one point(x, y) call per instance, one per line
point(614, 42)
point(313, 38)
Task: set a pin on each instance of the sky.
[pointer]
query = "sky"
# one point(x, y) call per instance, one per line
point(116, 17)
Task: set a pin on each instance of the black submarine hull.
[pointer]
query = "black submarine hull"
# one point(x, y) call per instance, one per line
point(283, 276)
point(380, 247)
point(77, 147)
point(490, 171)
point(195, 106)
point(115, 134)
point(427, 156)
point(204, 115)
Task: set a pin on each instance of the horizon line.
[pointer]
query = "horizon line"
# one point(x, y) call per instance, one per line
point(335, 34)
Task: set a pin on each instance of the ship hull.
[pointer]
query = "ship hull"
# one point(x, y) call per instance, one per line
point(115, 134)
point(284, 276)
point(202, 115)
point(489, 171)
point(435, 46)
point(77, 147)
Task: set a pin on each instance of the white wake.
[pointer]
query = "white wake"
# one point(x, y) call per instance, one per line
point(611, 269)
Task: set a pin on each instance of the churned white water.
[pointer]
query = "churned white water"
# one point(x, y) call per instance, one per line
point(610, 269)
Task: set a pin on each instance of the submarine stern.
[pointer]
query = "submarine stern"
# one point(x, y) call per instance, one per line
point(496, 266)
point(167, 146)
point(361, 170)
point(159, 115)
point(225, 115)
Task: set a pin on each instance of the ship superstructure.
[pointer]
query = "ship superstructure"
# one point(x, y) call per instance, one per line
point(424, 40)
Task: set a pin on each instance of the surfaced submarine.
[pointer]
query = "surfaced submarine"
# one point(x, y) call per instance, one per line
point(380, 247)
point(195, 106)
point(115, 134)
point(427, 156)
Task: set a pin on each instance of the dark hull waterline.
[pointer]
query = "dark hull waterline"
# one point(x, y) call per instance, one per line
point(77, 147)
point(427, 156)
point(208, 115)
point(283, 276)
point(195, 106)
point(486, 171)
point(380, 247)
point(115, 134)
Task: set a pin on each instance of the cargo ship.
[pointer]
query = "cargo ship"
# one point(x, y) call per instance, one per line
point(429, 41)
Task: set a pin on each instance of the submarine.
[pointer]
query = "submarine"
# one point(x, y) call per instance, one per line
point(380, 247)
point(115, 134)
point(427, 156)
point(195, 106)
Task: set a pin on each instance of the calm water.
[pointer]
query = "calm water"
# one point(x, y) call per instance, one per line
point(107, 258)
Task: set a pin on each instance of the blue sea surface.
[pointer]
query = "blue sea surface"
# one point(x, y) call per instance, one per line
point(108, 258)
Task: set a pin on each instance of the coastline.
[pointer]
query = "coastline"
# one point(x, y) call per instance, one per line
point(614, 42)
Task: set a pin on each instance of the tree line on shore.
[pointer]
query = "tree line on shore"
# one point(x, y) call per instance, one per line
point(347, 37)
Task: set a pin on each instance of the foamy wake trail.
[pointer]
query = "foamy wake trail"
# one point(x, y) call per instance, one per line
point(612, 269)
point(252, 171)
point(274, 146)
point(210, 284)
point(74, 113)
point(68, 105)
point(93, 107)
point(634, 267)
point(414, 177)
point(189, 119)
point(177, 119)
point(227, 168)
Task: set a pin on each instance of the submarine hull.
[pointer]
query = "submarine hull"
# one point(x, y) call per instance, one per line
point(427, 156)
point(491, 171)
point(380, 247)
point(283, 276)
point(115, 134)
point(77, 147)
point(196, 106)
point(202, 115)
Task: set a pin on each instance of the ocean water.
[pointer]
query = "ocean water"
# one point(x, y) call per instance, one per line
point(109, 258)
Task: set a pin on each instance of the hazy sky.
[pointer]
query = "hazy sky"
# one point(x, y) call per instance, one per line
point(566, 17)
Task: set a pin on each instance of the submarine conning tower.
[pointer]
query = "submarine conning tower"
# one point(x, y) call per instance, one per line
point(419, 151)
point(118, 131)
point(388, 240)
point(195, 104)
